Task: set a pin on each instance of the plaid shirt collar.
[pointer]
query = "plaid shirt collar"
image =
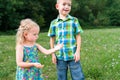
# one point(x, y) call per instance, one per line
point(68, 17)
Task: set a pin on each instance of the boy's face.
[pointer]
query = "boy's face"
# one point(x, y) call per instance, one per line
point(64, 7)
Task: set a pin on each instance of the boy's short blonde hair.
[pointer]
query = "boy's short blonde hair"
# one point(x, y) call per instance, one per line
point(59, 0)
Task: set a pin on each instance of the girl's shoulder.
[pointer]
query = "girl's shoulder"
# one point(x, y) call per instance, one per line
point(19, 46)
point(37, 45)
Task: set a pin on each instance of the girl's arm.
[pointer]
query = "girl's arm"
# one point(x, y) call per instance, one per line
point(49, 51)
point(19, 59)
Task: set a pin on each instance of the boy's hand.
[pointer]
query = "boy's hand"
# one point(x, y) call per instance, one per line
point(38, 65)
point(54, 60)
point(77, 57)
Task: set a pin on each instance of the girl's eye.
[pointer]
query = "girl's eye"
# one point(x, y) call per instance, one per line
point(64, 4)
point(35, 34)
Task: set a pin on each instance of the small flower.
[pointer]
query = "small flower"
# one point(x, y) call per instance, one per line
point(46, 76)
point(45, 56)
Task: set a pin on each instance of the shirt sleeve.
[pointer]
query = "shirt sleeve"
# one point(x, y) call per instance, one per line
point(78, 28)
point(51, 32)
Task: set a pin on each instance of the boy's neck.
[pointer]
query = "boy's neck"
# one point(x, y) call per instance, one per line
point(63, 17)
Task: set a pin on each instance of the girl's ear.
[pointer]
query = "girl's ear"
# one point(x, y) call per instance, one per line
point(25, 34)
point(56, 6)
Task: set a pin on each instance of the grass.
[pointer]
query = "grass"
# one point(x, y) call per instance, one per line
point(100, 55)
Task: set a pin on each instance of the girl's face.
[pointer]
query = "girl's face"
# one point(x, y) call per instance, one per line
point(64, 7)
point(32, 35)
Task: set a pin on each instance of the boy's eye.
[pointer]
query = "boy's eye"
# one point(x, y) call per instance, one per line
point(69, 4)
point(66, 4)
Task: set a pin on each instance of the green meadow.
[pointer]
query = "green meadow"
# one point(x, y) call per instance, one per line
point(100, 55)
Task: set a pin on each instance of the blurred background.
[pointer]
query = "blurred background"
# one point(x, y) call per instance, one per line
point(89, 12)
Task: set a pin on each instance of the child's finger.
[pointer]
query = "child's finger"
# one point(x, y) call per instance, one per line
point(75, 57)
point(42, 66)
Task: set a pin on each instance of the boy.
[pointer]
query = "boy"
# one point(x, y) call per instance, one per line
point(66, 29)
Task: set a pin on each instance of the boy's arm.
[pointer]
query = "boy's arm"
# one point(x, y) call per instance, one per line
point(77, 53)
point(52, 40)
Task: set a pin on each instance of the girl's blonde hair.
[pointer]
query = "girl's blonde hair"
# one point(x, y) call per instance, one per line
point(25, 25)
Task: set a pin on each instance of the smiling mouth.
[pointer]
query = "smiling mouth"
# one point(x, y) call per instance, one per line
point(66, 10)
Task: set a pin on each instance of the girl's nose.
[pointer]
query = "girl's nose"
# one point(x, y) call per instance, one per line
point(37, 36)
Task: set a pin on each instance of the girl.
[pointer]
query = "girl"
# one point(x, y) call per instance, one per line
point(28, 66)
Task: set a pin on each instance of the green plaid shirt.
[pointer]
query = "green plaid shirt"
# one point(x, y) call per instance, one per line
point(65, 32)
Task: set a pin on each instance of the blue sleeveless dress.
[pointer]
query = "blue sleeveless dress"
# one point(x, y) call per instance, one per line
point(32, 73)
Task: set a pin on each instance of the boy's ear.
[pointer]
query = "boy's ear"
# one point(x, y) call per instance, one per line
point(56, 6)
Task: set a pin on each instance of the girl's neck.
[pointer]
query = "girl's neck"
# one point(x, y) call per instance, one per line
point(29, 44)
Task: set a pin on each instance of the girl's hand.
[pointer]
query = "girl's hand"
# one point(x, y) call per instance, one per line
point(38, 65)
point(58, 46)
